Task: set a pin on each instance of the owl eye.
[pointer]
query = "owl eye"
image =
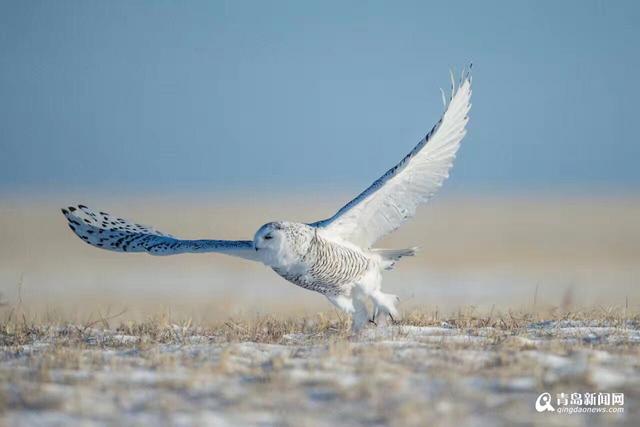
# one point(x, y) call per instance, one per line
point(268, 237)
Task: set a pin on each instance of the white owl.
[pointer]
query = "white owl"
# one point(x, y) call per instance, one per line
point(334, 257)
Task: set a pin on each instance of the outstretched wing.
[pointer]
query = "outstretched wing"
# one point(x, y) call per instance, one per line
point(116, 234)
point(395, 196)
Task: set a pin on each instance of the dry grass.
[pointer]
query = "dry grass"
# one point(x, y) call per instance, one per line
point(16, 328)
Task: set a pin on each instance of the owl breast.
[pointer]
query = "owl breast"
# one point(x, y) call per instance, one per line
point(327, 267)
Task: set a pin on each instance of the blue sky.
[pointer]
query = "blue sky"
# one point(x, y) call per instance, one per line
point(217, 96)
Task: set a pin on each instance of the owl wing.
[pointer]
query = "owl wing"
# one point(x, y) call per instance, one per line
point(395, 197)
point(104, 231)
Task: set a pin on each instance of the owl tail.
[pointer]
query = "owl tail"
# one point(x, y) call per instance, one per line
point(391, 256)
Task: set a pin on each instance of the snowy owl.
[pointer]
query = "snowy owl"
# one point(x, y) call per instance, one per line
point(335, 256)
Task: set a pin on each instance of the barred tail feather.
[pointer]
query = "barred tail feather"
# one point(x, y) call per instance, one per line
point(391, 256)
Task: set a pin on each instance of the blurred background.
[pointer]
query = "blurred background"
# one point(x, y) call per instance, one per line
point(208, 119)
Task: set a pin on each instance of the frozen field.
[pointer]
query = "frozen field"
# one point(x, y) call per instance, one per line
point(466, 370)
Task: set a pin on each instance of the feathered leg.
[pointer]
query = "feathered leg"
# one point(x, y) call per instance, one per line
point(384, 304)
point(361, 315)
point(354, 306)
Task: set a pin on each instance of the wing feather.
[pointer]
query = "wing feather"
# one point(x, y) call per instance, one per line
point(396, 195)
point(104, 231)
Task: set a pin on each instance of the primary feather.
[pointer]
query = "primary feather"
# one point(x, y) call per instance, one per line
point(116, 234)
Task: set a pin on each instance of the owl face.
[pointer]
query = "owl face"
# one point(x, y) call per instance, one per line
point(269, 237)
point(281, 243)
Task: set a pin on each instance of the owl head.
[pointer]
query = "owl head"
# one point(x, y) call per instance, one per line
point(282, 243)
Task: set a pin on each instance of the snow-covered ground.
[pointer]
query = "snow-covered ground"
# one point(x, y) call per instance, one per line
point(444, 375)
